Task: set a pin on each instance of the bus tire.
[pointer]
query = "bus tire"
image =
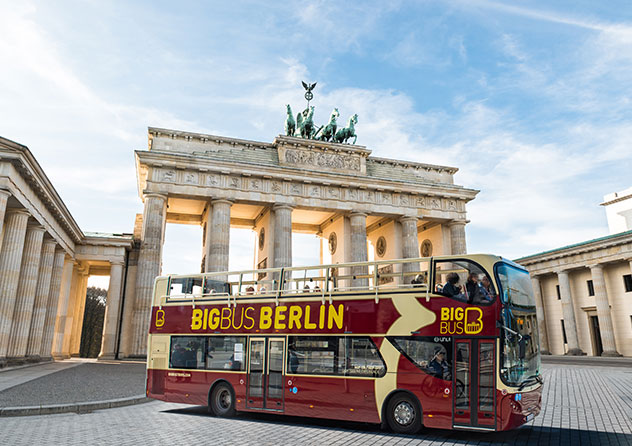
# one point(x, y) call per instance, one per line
point(222, 400)
point(403, 414)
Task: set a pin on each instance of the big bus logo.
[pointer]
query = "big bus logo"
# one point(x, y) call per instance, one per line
point(456, 321)
point(160, 318)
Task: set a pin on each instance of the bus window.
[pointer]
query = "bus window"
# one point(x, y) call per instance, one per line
point(187, 352)
point(432, 357)
point(216, 287)
point(226, 353)
point(185, 287)
point(463, 280)
point(334, 355)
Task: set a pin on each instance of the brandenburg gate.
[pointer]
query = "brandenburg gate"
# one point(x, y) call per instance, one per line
point(306, 181)
point(339, 192)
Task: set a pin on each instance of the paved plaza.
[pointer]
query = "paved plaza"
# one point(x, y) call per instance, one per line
point(583, 405)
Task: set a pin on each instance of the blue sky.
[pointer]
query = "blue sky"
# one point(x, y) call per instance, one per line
point(530, 100)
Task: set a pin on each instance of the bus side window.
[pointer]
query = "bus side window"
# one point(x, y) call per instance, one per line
point(185, 287)
point(464, 281)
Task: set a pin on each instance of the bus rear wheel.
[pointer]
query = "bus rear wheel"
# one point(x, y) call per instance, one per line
point(403, 414)
point(222, 400)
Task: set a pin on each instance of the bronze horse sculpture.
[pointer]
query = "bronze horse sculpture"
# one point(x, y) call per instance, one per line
point(345, 133)
point(290, 124)
point(305, 123)
point(329, 131)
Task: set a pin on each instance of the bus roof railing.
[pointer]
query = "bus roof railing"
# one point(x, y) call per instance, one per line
point(293, 282)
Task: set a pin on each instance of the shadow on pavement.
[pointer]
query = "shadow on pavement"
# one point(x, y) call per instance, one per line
point(526, 435)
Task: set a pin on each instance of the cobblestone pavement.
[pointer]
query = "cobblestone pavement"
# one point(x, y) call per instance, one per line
point(582, 406)
point(78, 382)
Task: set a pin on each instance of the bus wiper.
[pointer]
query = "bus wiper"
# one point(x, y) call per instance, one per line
point(537, 377)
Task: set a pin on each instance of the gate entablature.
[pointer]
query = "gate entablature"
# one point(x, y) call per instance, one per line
point(301, 173)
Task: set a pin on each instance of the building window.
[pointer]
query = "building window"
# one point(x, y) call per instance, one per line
point(564, 332)
point(627, 282)
point(559, 296)
point(591, 288)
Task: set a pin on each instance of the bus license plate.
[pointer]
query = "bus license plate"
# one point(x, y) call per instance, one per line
point(529, 418)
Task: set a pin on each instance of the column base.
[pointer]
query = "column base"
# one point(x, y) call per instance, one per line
point(575, 352)
point(612, 354)
point(106, 357)
point(60, 356)
point(545, 352)
point(3, 362)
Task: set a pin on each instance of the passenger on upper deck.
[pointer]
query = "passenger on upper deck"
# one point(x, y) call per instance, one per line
point(452, 289)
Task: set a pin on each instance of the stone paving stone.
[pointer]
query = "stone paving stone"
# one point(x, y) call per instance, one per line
point(582, 406)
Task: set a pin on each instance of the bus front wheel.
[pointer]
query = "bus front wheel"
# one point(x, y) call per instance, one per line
point(403, 414)
point(222, 400)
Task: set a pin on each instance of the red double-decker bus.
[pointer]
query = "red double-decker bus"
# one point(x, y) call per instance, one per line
point(443, 342)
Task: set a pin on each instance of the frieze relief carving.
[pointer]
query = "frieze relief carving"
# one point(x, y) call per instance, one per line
point(295, 189)
point(212, 180)
point(168, 176)
point(255, 184)
point(276, 186)
point(387, 198)
point(322, 160)
point(435, 203)
point(352, 194)
point(191, 178)
point(333, 192)
point(233, 182)
point(452, 205)
point(314, 191)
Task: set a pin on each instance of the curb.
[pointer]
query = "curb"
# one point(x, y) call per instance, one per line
point(73, 407)
point(588, 360)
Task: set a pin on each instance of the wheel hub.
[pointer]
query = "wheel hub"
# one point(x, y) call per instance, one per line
point(224, 400)
point(404, 413)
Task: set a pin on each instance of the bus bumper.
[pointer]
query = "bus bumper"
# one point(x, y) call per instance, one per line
point(519, 408)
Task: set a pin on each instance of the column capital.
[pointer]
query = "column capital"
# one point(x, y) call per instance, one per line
point(220, 201)
point(36, 227)
point(117, 262)
point(561, 271)
point(282, 206)
point(154, 195)
point(49, 241)
point(20, 211)
point(404, 218)
point(598, 266)
point(5, 193)
point(358, 214)
point(458, 222)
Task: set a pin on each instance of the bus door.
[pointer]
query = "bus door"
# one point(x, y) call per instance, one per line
point(265, 373)
point(474, 383)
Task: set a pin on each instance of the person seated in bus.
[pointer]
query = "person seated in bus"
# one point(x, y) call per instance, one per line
point(438, 366)
point(316, 289)
point(293, 362)
point(178, 356)
point(419, 280)
point(262, 289)
point(307, 289)
point(250, 290)
point(471, 286)
point(452, 288)
point(485, 292)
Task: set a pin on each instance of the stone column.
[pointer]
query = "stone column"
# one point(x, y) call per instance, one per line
point(282, 235)
point(218, 240)
point(112, 312)
point(357, 223)
point(457, 236)
point(603, 312)
point(10, 262)
point(79, 308)
point(52, 302)
point(149, 264)
point(36, 329)
point(539, 310)
point(569, 314)
point(4, 197)
point(410, 245)
point(25, 297)
point(67, 278)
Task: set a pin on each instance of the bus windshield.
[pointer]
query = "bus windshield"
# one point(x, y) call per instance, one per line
point(521, 346)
